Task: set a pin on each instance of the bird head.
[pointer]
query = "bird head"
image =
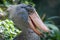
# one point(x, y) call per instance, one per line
point(25, 16)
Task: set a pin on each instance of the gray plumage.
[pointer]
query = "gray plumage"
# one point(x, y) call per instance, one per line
point(19, 15)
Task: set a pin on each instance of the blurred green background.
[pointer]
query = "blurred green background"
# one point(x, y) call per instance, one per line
point(7, 29)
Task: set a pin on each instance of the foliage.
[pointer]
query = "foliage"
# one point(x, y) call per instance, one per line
point(55, 33)
point(7, 29)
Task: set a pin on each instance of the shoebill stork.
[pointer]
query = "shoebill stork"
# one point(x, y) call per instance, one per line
point(26, 18)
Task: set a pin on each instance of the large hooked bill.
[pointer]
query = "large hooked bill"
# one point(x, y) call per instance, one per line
point(36, 22)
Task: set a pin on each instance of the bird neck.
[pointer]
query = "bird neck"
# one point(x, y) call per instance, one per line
point(28, 30)
point(29, 34)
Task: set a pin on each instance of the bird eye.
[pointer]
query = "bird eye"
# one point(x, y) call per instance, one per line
point(22, 7)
